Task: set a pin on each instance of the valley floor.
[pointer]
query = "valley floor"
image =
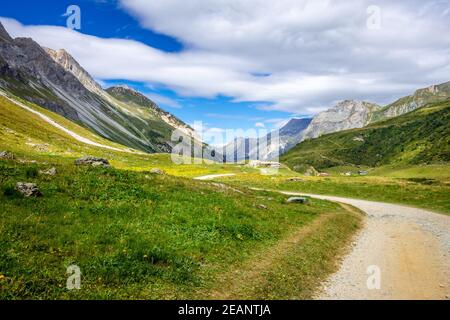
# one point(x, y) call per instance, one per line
point(407, 246)
point(140, 235)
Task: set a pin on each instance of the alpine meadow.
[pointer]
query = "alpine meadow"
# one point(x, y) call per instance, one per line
point(239, 150)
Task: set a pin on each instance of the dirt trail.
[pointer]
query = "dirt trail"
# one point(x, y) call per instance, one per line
point(232, 285)
point(409, 246)
point(214, 176)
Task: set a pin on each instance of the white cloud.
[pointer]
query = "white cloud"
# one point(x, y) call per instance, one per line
point(314, 53)
point(259, 125)
point(164, 101)
point(277, 123)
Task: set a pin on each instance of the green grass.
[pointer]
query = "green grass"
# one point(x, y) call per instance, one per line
point(410, 188)
point(418, 137)
point(138, 235)
point(300, 271)
point(133, 234)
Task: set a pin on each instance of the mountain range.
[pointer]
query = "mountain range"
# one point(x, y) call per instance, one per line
point(421, 136)
point(54, 80)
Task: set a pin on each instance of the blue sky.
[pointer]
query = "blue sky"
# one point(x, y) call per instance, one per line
point(105, 19)
point(249, 63)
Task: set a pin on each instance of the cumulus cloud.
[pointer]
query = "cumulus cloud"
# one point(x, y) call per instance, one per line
point(298, 56)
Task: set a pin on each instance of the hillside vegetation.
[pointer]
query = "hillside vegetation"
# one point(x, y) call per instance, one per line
point(419, 137)
point(140, 235)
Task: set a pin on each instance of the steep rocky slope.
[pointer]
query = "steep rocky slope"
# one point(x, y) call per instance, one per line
point(421, 97)
point(345, 115)
point(56, 81)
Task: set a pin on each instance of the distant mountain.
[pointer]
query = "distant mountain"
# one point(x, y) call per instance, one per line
point(55, 80)
point(291, 133)
point(345, 115)
point(288, 136)
point(418, 137)
point(432, 94)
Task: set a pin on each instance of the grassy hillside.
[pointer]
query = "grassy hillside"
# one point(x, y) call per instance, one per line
point(143, 108)
point(27, 135)
point(426, 187)
point(139, 235)
point(418, 137)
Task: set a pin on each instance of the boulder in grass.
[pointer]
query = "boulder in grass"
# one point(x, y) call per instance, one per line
point(302, 200)
point(49, 172)
point(311, 172)
point(261, 206)
point(28, 189)
point(157, 171)
point(295, 179)
point(7, 155)
point(93, 162)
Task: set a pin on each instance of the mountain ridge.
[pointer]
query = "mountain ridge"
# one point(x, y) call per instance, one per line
point(56, 81)
point(418, 137)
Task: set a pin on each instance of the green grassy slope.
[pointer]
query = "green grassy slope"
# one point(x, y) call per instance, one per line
point(155, 127)
point(418, 137)
point(135, 234)
point(26, 134)
point(426, 187)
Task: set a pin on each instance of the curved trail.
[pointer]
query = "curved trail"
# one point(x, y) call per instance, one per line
point(409, 248)
point(213, 176)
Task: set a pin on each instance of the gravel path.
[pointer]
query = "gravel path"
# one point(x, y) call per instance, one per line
point(409, 247)
point(214, 176)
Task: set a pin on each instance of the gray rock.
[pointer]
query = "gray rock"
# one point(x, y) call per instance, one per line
point(93, 161)
point(348, 114)
point(157, 171)
point(7, 155)
point(261, 206)
point(323, 174)
point(311, 172)
point(225, 187)
point(303, 200)
point(294, 179)
point(28, 189)
point(49, 172)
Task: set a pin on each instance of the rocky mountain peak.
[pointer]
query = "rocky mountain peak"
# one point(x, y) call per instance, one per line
point(64, 59)
point(347, 114)
point(4, 35)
